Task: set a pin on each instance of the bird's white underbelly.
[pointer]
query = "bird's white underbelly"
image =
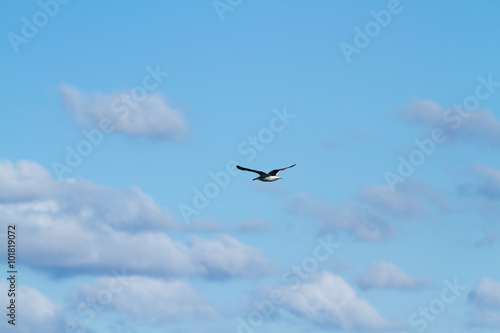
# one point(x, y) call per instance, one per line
point(271, 178)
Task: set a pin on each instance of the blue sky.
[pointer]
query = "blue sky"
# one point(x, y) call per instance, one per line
point(123, 122)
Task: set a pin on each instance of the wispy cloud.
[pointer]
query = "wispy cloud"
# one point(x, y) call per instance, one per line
point(330, 302)
point(149, 300)
point(227, 257)
point(490, 237)
point(479, 126)
point(148, 116)
point(395, 202)
point(486, 301)
point(404, 200)
point(385, 275)
point(359, 221)
point(482, 194)
point(486, 293)
point(489, 181)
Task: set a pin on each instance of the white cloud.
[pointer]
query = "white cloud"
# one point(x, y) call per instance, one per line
point(34, 311)
point(100, 206)
point(150, 300)
point(481, 126)
point(386, 275)
point(228, 257)
point(410, 199)
point(81, 249)
point(486, 293)
point(486, 301)
point(99, 228)
point(489, 179)
point(149, 116)
point(23, 180)
point(483, 194)
point(361, 222)
point(424, 111)
point(489, 239)
point(395, 202)
point(330, 302)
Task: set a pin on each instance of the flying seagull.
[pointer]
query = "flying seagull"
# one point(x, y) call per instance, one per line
point(266, 177)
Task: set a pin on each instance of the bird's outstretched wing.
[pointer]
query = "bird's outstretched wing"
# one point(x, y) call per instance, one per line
point(256, 171)
point(275, 172)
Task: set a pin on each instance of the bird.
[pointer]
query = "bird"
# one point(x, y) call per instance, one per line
point(266, 177)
